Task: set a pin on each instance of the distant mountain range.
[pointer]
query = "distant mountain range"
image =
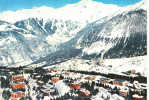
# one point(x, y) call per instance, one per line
point(38, 34)
point(83, 11)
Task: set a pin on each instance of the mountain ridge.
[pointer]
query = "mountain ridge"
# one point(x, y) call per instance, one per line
point(30, 39)
point(85, 10)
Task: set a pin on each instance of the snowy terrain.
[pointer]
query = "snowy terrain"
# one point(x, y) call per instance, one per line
point(33, 25)
point(122, 35)
point(34, 35)
point(90, 54)
point(87, 10)
point(79, 79)
point(118, 65)
point(28, 40)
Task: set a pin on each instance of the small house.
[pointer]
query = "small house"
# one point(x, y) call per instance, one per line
point(18, 78)
point(104, 80)
point(84, 92)
point(53, 70)
point(17, 95)
point(120, 82)
point(137, 97)
point(18, 86)
point(133, 71)
point(55, 79)
point(124, 92)
point(75, 86)
point(89, 78)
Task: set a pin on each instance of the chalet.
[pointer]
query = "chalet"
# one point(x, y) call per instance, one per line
point(17, 95)
point(18, 86)
point(84, 92)
point(75, 86)
point(17, 78)
point(53, 70)
point(55, 79)
point(120, 82)
point(124, 92)
point(104, 80)
point(79, 78)
point(133, 71)
point(90, 78)
point(137, 97)
point(100, 61)
point(130, 72)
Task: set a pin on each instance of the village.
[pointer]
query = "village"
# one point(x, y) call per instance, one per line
point(56, 84)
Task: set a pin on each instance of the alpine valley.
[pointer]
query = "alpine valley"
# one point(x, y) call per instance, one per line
point(85, 39)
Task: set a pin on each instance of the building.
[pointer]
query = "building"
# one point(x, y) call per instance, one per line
point(133, 71)
point(89, 78)
point(75, 86)
point(137, 97)
point(17, 78)
point(18, 87)
point(84, 92)
point(120, 82)
point(124, 92)
point(17, 95)
point(55, 79)
point(104, 80)
point(53, 70)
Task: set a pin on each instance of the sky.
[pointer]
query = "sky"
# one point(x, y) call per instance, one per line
point(14, 5)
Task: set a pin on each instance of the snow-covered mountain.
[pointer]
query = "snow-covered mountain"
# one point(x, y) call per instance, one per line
point(83, 11)
point(53, 30)
point(30, 39)
point(30, 34)
point(123, 34)
point(120, 35)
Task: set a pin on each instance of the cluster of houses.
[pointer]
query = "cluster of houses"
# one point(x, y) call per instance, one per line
point(60, 84)
point(49, 88)
point(132, 72)
point(17, 87)
point(125, 88)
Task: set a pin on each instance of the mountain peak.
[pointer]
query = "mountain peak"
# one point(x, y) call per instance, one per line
point(84, 11)
point(141, 4)
point(138, 5)
point(84, 2)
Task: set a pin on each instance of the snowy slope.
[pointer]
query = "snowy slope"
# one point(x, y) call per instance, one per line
point(123, 34)
point(28, 34)
point(30, 39)
point(17, 46)
point(31, 34)
point(119, 65)
point(52, 29)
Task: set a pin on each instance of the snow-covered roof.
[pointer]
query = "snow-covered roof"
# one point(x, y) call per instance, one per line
point(137, 96)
